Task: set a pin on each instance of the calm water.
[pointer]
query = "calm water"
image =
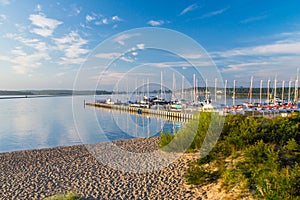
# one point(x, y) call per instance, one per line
point(35, 123)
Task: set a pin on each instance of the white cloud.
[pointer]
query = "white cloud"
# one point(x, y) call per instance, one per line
point(121, 38)
point(73, 47)
point(263, 60)
point(104, 21)
point(156, 22)
point(99, 19)
point(192, 56)
point(245, 66)
point(108, 56)
point(60, 74)
point(214, 13)
point(108, 77)
point(4, 2)
point(33, 43)
point(90, 18)
point(188, 9)
point(140, 46)
point(24, 63)
point(70, 61)
point(25, 59)
point(18, 52)
point(262, 50)
point(2, 18)
point(252, 19)
point(42, 31)
point(45, 25)
point(205, 63)
point(116, 18)
point(126, 59)
point(74, 10)
point(38, 8)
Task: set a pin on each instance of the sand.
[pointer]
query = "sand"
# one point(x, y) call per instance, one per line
point(35, 174)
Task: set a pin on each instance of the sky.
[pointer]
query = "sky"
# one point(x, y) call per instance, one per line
point(81, 44)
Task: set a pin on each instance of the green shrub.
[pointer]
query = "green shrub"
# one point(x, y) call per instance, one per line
point(266, 153)
point(68, 196)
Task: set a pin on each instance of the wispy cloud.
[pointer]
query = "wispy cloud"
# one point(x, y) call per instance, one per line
point(156, 22)
point(263, 50)
point(60, 74)
point(213, 13)
point(99, 19)
point(203, 63)
point(104, 21)
point(74, 11)
point(38, 8)
point(189, 9)
point(72, 45)
point(245, 66)
point(116, 18)
point(4, 2)
point(25, 62)
point(262, 60)
point(45, 26)
point(108, 56)
point(2, 18)
point(253, 19)
point(90, 18)
point(123, 37)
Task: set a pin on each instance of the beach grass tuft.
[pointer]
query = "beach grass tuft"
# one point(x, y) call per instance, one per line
point(68, 196)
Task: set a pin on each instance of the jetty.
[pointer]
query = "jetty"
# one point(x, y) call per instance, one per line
point(185, 116)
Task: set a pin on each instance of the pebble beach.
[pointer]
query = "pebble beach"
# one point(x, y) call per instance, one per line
point(36, 174)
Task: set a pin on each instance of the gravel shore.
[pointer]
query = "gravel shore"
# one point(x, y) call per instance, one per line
point(36, 174)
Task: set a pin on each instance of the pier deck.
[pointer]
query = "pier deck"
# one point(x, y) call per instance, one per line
point(147, 111)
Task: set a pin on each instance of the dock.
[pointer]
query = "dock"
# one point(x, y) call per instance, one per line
point(145, 111)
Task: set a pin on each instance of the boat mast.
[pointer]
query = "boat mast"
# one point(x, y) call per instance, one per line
point(182, 88)
point(289, 94)
point(194, 80)
point(117, 89)
point(282, 91)
point(173, 86)
point(296, 86)
point(268, 92)
point(233, 97)
point(127, 92)
point(148, 88)
point(206, 92)
point(197, 90)
point(275, 88)
point(225, 93)
point(136, 89)
point(161, 85)
point(260, 91)
point(143, 88)
point(216, 89)
point(251, 84)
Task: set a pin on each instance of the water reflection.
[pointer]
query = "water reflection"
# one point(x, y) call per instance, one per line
point(48, 122)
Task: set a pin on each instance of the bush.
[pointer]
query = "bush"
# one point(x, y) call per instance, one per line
point(266, 153)
point(68, 196)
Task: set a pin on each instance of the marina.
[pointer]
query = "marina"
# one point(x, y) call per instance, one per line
point(182, 103)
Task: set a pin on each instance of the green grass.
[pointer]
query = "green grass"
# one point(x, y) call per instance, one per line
point(257, 155)
point(68, 196)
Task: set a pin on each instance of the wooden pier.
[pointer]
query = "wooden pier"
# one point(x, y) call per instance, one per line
point(146, 111)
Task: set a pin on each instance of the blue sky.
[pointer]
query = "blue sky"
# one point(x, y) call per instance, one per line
point(44, 43)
